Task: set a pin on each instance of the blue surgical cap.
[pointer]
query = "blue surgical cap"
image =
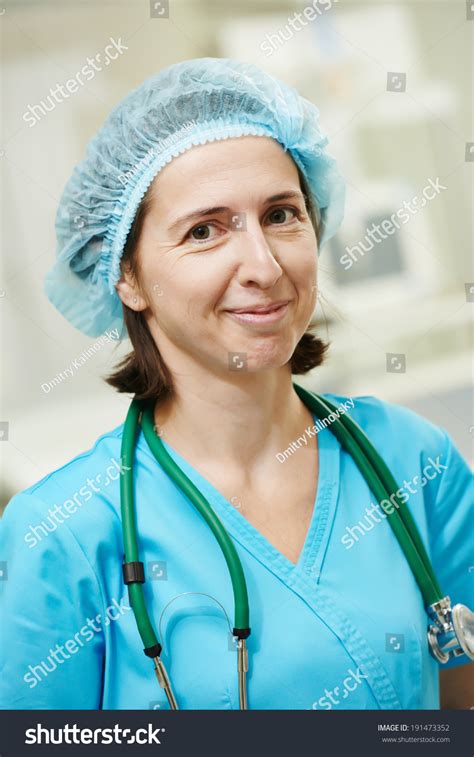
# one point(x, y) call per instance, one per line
point(189, 103)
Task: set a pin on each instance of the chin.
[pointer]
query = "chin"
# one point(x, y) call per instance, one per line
point(267, 355)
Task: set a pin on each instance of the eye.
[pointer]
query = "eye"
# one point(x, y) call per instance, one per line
point(201, 233)
point(278, 215)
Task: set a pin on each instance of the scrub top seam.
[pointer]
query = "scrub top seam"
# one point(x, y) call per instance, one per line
point(317, 541)
point(362, 653)
point(250, 538)
point(299, 577)
point(308, 563)
point(239, 528)
point(244, 532)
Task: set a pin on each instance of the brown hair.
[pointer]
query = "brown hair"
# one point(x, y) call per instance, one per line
point(143, 371)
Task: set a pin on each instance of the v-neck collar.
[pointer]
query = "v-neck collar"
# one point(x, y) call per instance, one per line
point(312, 554)
point(303, 578)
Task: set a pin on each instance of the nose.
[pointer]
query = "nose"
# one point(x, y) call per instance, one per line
point(257, 261)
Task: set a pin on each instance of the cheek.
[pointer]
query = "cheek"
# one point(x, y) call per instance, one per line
point(187, 292)
point(300, 263)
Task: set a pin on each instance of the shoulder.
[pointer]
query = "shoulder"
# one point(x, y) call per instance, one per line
point(414, 448)
point(106, 449)
point(388, 424)
point(421, 455)
point(78, 497)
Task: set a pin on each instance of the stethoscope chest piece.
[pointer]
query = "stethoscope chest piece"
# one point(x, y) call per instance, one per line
point(452, 633)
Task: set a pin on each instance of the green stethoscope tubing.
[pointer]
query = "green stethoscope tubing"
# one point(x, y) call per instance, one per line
point(241, 601)
point(383, 485)
point(127, 506)
point(386, 478)
point(351, 437)
point(136, 594)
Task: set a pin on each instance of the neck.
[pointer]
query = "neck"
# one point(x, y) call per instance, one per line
point(243, 418)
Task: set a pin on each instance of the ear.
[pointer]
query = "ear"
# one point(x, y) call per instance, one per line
point(128, 291)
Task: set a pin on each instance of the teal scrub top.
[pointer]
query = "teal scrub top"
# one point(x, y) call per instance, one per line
point(344, 628)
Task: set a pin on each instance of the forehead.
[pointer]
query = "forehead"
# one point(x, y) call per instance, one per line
point(233, 166)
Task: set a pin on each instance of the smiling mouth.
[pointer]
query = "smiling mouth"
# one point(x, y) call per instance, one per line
point(261, 309)
point(270, 314)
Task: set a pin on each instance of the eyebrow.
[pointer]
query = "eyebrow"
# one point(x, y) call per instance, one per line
point(196, 214)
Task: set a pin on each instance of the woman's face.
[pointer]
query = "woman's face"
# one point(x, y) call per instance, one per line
point(227, 230)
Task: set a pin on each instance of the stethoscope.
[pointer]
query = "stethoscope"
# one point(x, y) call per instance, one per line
point(451, 631)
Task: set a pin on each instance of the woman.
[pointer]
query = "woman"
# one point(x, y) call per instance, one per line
point(193, 225)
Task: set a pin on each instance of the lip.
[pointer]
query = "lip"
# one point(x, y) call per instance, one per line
point(261, 308)
point(261, 317)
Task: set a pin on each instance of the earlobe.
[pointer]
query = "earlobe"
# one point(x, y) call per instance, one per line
point(127, 294)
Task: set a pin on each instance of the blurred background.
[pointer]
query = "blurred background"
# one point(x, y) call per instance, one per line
point(393, 82)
